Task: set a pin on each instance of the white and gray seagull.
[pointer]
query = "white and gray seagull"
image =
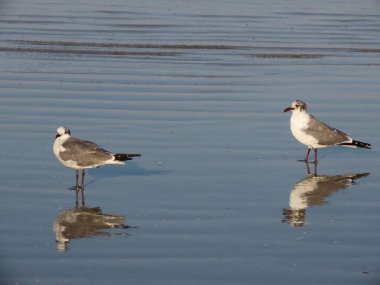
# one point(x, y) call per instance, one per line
point(315, 134)
point(81, 154)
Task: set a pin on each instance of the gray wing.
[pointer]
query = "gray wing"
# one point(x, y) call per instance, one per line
point(325, 134)
point(85, 153)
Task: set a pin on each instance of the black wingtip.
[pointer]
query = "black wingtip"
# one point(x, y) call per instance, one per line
point(126, 156)
point(358, 144)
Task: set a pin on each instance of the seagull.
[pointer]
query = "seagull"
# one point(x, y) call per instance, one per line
point(81, 154)
point(315, 134)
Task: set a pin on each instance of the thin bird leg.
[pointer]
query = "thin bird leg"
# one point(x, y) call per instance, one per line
point(76, 180)
point(76, 188)
point(83, 174)
point(307, 155)
point(315, 156)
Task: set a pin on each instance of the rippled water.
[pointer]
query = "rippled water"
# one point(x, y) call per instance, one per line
point(198, 88)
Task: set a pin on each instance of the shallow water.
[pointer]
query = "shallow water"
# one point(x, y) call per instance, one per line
point(198, 89)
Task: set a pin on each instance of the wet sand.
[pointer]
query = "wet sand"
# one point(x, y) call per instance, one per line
point(198, 89)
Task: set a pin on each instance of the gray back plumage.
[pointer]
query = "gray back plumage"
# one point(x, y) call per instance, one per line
point(85, 153)
point(325, 134)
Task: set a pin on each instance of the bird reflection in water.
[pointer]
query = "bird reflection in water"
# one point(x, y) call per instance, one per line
point(84, 223)
point(312, 191)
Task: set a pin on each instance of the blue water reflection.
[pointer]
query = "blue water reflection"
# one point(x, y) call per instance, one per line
point(313, 190)
point(77, 223)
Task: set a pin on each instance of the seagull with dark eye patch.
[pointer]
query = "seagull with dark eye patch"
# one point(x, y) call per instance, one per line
point(315, 134)
point(81, 154)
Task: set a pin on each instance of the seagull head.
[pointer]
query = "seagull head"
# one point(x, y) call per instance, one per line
point(62, 131)
point(297, 105)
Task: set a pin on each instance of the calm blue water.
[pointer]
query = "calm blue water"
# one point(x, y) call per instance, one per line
point(198, 88)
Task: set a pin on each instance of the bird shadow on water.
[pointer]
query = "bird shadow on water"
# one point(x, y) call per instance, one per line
point(84, 222)
point(312, 190)
point(131, 169)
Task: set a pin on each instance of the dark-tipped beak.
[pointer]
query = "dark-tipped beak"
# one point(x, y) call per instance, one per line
point(288, 109)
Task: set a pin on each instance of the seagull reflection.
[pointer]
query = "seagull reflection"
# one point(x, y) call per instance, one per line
point(83, 223)
point(312, 191)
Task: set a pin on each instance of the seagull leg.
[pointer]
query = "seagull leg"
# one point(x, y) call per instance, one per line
point(83, 174)
point(76, 180)
point(76, 187)
point(307, 155)
point(315, 156)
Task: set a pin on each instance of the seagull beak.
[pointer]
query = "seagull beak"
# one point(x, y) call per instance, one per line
point(288, 109)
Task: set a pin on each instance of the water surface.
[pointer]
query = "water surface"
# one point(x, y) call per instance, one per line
point(197, 88)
